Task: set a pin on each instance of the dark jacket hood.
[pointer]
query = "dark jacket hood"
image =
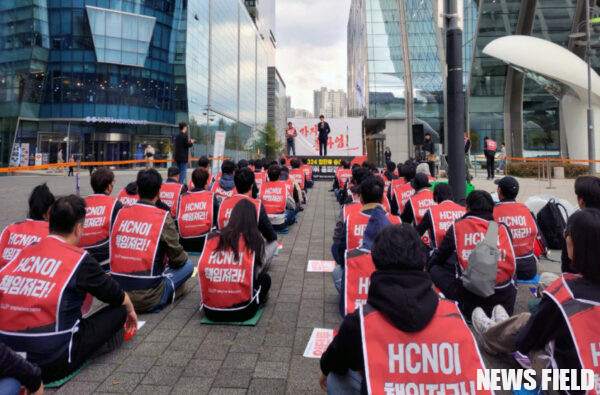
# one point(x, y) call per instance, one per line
point(405, 297)
point(131, 188)
point(226, 182)
point(377, 221)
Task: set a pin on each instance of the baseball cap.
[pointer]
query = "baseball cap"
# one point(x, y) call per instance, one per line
point(508, 185)
point(420, 181)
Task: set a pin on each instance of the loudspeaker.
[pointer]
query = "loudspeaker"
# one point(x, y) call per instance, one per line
point(418, 134)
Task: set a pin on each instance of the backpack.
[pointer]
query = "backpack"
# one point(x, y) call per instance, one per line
point(552, 224)
point(482, 268)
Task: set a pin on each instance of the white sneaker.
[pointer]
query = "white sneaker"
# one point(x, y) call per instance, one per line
point(481, 322)
point(499, 314)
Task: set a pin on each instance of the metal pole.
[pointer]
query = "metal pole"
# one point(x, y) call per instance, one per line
point(590, 111)
point(455, 104)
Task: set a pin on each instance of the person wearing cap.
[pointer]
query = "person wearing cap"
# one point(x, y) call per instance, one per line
point(451, 258)
point(521, 224)
point(418, 204)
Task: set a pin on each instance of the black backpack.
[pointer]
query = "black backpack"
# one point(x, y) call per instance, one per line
point(552, 224)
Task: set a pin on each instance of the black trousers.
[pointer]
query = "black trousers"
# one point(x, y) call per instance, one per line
point(93, 333)
point(264, 282)
point(490, 166)
point(322, 148)
point(431, 168)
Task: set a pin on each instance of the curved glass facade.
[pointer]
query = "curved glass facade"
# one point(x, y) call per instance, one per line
point(101, 78)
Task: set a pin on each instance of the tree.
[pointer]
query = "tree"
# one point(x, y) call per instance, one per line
point(267, 142)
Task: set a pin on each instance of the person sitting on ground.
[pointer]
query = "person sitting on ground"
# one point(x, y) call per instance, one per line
point(17, 372)
point(225, 187)
point(418, 204)
point(389, 175)
point(143, 238)
point(171, 190)
point(452, 255)
point(205, 164)
point(521, 224)
point(441, 216)
point(259, 175)
point(587, 190)
point(566, 320)
point(101, 211)
point(307, 169)
point(128, 195)
point(425, 169)
point(399, 193)
point(352, 202)
point(350, 236)
point(63, 340)
point(238, 248)
point(278, 202)
point(342, 176)
point(244, 180)
point(297, 175)
point(418, 317)
point(294, 190)
point(197, 213)
point(21, 234)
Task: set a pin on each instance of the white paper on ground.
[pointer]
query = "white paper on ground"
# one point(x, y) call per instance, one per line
point(318, 342)
point(320, 266)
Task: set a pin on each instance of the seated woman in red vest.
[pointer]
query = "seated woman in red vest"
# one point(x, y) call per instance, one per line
point(417, 205)
point(353, 202)
point(408, 172)
point(101, 211)
point(231, 283)
point(307, 169)
point(146, 258)
point(63, 340)
point(452, 257)
point(419, 317)
point(277, 200)
point(21, 234)
point(568, 314)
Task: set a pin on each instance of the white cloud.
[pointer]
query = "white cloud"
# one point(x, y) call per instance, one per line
point(311, 47)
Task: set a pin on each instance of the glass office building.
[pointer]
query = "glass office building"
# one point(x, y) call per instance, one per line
point(100, 79)
point(396, 71)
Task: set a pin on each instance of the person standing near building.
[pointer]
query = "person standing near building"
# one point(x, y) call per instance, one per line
point(429, 149)
point(324, 131)
point(489, 150)
point(290, 136)
point(183, 142)
point(468, 164)
point(149, 152)
point(388, 154)
point(502, 157)
point(71, 160)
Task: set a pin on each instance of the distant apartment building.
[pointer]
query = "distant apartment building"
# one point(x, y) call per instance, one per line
point(331, 103)
point(300, 113)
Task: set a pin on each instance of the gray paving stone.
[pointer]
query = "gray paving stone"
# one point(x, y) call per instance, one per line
point(162, 375)
point(162, 335)
point(269, 353)
point(137, 364)
point(121, 382)
point(202, 368)
point(150, 349)
point(233, 378)
point(271, 370)
point(152, 389)
point(174, 358)
point(240, 360)
point(76, 388)
point(212, 351)
point(266, 386)
point(227, 391)
point(192, 386)
point(95, 372)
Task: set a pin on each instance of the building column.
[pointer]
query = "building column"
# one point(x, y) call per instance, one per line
point(408, 86)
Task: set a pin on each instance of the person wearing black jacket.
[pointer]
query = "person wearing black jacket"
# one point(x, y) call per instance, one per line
point(429, 149)
point(182, 147)
point(324, 131)
point(530, 333)
point(443, 264)
point(399, 257)
point(490, 157)
point(16, 371)
point(419, 183)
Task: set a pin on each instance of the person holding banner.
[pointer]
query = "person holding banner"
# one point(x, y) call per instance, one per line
point(290, 136)
point(324, 131)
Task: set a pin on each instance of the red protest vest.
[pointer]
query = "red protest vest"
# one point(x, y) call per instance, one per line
point(356, 223)
point(98, 214)
point(470, 231)
point(19, 235)
point(220, 193)
point(298, 176)
point(273, 196)
point(259, 179)
point(134, 240)
point(227, 207)
point(225, 282)
point(443, 216)
point(582, 317)
point(37, 293)
point(126, 199)
point(397, 182)
point(307, 172)
point(350, 208)
point(421, 202)
point(343, 175)
point(195, 214)
point(357, 277)
point(444, 355)
point(170, 192)
point(490, 145)
point(521, 224)
point(403, 193)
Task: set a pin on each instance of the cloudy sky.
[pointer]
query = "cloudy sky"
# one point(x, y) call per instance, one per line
point(311, 47)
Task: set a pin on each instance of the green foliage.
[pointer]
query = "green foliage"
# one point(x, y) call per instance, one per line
point(267, 144)
point(530, 169)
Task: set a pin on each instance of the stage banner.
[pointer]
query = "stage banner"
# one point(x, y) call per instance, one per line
point(345, 138)
point(324, 167)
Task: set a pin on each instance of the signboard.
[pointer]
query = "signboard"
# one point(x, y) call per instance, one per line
point(320, 266)
point(15, 155)
point(318, 342)
point(345, 138)
point(24, 155)
point(324, 167)
point(38, 159)
point(218, 151)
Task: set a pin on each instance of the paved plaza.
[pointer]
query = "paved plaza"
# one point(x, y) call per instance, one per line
point(174, 353)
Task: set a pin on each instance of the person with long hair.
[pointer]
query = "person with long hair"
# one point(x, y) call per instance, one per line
point(231, 284)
